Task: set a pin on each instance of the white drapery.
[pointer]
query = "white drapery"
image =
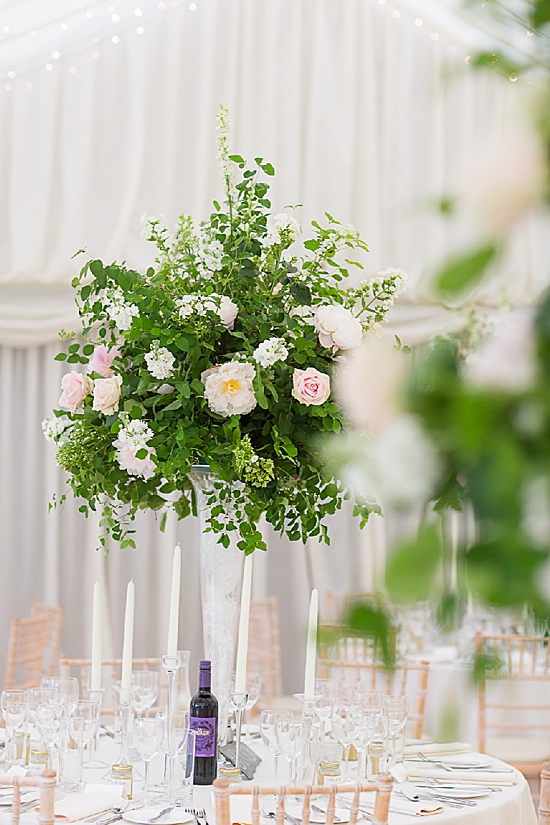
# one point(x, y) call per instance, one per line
point(361, 112)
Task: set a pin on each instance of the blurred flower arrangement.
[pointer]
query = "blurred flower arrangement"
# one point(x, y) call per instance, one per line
point(221, 354)
point(464, 425)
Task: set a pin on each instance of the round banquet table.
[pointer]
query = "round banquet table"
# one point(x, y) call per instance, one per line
point(512, 806)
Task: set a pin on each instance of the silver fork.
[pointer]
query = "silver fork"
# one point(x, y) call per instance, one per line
point(322, 811)
point(202, 815)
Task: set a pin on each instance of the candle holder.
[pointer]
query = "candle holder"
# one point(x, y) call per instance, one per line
point(97, 697)
point(238, 700)
point(125, 717)
point(311, 736)
point(170, 665)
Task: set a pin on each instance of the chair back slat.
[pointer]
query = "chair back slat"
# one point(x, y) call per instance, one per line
point(264, 648)
point(54, 628)
point(223, 791)
point(25, 653)
point(544, 799)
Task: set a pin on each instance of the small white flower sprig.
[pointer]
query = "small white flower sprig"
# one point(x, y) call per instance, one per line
point(221, 353)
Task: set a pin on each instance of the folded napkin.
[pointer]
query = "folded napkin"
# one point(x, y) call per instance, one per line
point(473, 777)
point(433, 748)
point(426, 810)
point(82, 806)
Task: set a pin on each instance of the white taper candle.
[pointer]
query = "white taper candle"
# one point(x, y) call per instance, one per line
point(242, 645)
point(96, 639)
point(128, 645)
point(311, 649)
point(173, 621)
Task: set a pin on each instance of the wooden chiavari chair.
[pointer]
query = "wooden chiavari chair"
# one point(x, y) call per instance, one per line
point(510, 664)
point(264, 649)
point(25, 653)
point(349, 658)
point(111, 672)
point(544, 801)
point(223, 791)
point(46, 782)
point(54, 617)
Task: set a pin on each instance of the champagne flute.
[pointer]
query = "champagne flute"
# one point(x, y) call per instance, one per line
point(147, 737)
point(268, 732)
point(145, 689)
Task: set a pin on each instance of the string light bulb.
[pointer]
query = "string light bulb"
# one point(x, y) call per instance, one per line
point(418, 22)
point(434, 36)
point(95, 55)
point(115, 39)
point(8, 87)
point(115, 18)
point(192, 7)
point(73, 70)
point(6, 29)
point(89, 15)
point(64, 26)
point(49, 67)
point(138, 12)
point(396, 14)
point(28, 85)
point(11, 75)
point(140, 30)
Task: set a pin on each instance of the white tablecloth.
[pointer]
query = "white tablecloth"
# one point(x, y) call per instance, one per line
point(512, 806)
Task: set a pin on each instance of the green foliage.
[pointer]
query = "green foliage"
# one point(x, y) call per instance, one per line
point(412, 567)
point(265, 458)
point(465, 271)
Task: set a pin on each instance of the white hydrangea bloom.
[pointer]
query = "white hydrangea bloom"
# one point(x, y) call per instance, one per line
point(287, 224)
point(119, 309)
point(53, 427)
point(270, 351)
point(132, 438)
point(187, 305)
point(160, 362)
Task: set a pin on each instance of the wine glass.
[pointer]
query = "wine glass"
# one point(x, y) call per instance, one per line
point(396, 709)
point(174, 730)
point(291, 738)
point(34, 698)
point(268, 732)
point(326, 690)
point(363, 737)
point(49, 718)
point(345, 725)
point(82, 722)
point(145, 689)
point(62, 690)
point(148, 736)
point(14, 710)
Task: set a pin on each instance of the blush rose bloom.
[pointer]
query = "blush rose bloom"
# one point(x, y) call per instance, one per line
point(102, 360)
point(76, 386)
point(107, 394)
point(226, 309)
point(228, 388)
point(310, 386)
point(337, 327)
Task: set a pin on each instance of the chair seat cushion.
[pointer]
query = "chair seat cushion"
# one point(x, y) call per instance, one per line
point(518, 749)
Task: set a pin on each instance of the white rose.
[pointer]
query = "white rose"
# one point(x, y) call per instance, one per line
point(337, 327)
point(228, 311)
point(127, 460)
point(228, 388)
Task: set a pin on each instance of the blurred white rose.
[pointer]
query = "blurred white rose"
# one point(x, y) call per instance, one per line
point(369, 382)
point(506, 361)
point(504, 180)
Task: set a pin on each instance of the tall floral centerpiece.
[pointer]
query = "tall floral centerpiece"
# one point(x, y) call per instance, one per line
point(206, 379)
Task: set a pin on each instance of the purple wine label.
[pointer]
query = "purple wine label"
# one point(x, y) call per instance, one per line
point(206, 735)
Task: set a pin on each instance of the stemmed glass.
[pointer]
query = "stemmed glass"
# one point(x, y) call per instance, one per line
point(145, 689)
point(61, 690)
point(253, 687)
point(148, 735)
point(326, 690)
point(14, 711)
point(49, 720)
point(82, 722)
point(175, 730)
point(34, 698)
point(345, 725)
point(363, 737)
point(268, 732)
point(291, 737)
point(396, 709)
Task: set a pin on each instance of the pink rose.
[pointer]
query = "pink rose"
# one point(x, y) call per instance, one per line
point(107, 394)
point(76, 386)
point(102, 360)
point(311, 386)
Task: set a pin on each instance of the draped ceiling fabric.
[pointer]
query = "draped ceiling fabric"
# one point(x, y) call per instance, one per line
point(363, 113)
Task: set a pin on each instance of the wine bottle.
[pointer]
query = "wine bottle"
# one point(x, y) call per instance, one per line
point(203, 713)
